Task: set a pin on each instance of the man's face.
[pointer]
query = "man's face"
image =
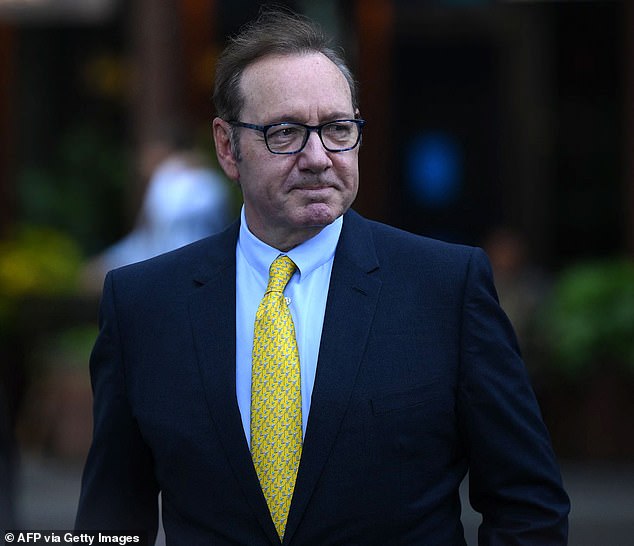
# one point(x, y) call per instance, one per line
point(290, 198)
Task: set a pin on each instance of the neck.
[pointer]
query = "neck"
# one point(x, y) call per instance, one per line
point(287, 241)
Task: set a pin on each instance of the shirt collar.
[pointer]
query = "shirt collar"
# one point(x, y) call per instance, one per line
point(308, 256)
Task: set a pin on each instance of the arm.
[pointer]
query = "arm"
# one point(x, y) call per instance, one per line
point(514, 478)
point(118, 491)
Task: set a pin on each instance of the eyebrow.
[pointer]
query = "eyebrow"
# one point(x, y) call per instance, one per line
point(297, 119)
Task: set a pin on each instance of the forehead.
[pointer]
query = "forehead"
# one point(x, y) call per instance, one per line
point(303, 86)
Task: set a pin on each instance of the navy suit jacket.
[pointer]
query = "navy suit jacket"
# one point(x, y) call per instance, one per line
point(418, 381)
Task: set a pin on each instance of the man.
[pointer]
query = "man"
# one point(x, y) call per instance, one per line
point(394, 373)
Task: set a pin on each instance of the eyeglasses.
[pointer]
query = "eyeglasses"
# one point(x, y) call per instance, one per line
point(339, 135)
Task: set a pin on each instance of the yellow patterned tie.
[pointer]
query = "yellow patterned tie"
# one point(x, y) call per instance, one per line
point(276, 406)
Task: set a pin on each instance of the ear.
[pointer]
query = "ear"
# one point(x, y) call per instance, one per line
point(224, 150)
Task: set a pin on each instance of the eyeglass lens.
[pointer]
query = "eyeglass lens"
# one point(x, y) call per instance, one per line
point(291, 138)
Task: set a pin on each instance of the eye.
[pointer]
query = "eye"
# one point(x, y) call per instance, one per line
point(338, 131)
point(285, 133)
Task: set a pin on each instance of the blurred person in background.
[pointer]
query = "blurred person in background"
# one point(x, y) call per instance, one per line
point(521, 285)
point(185, 200)
point(308, 376)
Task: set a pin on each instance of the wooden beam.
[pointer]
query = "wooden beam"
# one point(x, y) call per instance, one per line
point(7, 138)
point(158, 74)
point(628, 152)
point(375, 21)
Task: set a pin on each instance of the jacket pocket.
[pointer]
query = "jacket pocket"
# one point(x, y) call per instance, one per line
point(406, 399)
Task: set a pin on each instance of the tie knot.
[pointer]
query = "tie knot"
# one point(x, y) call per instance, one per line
point(280, 273)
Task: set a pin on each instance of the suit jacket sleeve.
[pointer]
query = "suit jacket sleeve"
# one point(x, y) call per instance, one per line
point(119, 491)
point(514, 478)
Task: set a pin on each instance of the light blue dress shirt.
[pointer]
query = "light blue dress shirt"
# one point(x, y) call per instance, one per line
point(307, 291)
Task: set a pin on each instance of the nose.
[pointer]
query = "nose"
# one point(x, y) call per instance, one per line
point(314, 157)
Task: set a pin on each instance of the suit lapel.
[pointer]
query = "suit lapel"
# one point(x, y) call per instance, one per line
point(350, 308)
point(212, 312)
point(353, 294)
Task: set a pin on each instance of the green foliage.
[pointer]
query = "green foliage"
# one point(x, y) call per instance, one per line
point(590, 318)
point(80, 191)
point(38, 261)
point(69, 348)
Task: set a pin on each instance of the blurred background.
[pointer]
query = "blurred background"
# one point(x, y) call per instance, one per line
point(505, 124)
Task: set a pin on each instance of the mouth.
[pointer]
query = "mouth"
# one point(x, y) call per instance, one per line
point(314, 193)
point(313, 186)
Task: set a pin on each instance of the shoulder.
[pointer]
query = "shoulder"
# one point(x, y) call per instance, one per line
point(394, 245)
point(415, 267)
point(180, 267)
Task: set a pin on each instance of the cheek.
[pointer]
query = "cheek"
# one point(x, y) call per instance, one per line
point(346, 162)
point(349, 174)
point(263, 176)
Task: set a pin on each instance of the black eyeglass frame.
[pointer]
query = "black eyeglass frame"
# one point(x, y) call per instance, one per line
point(264, 129)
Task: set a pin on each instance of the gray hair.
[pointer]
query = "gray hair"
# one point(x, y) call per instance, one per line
point(274, 32)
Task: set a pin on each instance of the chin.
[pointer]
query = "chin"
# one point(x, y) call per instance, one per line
point(319, 215)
